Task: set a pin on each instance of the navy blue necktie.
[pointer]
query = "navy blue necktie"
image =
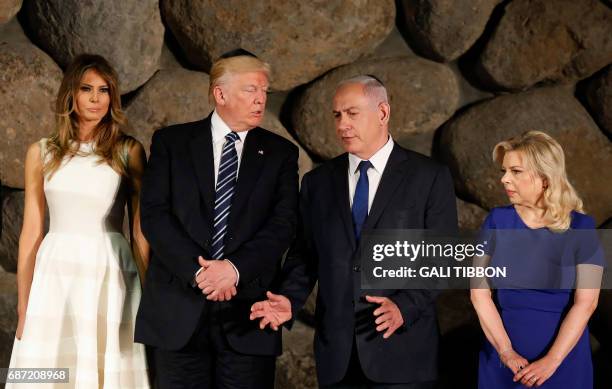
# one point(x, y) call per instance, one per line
point(226, 183)
point(360, 199)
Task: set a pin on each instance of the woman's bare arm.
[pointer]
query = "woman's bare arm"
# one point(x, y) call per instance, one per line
point(140, 247)
point(32, 230)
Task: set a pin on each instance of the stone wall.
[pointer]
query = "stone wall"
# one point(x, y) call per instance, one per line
point(461, 76)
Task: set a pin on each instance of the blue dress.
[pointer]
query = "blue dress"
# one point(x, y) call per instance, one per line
point(532, 317)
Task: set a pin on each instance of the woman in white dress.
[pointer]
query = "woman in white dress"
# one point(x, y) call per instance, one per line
point(79, 287)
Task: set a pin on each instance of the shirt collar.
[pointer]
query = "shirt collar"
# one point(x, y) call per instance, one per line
point(220, 129)
point(378, 160)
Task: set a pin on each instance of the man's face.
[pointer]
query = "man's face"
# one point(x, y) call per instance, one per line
point(360, 124)
point(244, 100)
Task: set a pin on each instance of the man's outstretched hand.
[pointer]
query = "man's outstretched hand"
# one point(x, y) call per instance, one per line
point(274, 311)
point(388, 316)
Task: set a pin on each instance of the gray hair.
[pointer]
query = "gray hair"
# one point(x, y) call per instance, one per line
point(373, 88)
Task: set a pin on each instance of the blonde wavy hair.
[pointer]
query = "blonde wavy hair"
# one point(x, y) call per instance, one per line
point(108, 138)
point(223, 68)
point(544, 156)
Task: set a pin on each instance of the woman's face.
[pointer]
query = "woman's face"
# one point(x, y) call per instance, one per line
point(92, 98)
point(523, 186)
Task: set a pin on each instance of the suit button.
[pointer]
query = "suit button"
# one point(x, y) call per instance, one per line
point(356, 268)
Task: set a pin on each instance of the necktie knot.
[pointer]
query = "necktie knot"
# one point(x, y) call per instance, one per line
point(364, 166)
point(232, 137)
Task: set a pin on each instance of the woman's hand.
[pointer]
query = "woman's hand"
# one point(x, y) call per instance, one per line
point(513, 360)
point(536, 373)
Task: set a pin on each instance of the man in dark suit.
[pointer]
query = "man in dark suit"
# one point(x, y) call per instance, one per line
point(219, 209)
point(364, 338)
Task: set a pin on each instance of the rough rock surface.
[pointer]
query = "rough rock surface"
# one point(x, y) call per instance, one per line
point(443, 30)
point(300, 39)
point(599, 97)
point(178, 95)
point(543, 40)
point(296, 367)
point(29, 81)
point(129, 33)
point(8, 9)
point(422, 94)
point(470, 215)
point(467, 142)
point(12, 216)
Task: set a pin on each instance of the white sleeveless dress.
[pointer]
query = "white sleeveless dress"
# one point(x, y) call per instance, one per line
point(86, 289)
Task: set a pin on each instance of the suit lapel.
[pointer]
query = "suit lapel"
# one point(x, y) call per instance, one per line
point(202, 156)
point(393, 175)
point(341, 193)
point(251, 166)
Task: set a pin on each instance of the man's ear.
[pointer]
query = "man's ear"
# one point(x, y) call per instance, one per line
point(384, 111)
point(219, 96)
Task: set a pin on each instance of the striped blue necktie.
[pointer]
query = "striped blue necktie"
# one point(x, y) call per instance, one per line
point(226, 183)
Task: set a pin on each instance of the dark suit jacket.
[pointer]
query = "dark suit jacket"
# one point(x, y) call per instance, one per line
point(414, 193)
point(177, 204)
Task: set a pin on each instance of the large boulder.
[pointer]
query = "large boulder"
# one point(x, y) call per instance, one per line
point(300, 39)
point(543, 40)
point(295, 369)
point(177, 95)
point(442, 30)
point(422, 94)
point(599, 97)
point(392, 46)
point(129, 33)
point(467, 142)
point(8, 9)
point(29, 81)
point(8, 315)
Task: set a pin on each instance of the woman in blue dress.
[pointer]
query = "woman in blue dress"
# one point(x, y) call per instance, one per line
point(535, 324)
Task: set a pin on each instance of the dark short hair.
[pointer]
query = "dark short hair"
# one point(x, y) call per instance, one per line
point(237, 53)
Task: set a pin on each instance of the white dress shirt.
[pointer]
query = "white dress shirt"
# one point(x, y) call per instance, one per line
point(378, 161)
point(219, 130)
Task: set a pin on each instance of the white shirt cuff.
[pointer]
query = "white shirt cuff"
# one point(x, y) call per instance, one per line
point(194, 283)
point(235, 269)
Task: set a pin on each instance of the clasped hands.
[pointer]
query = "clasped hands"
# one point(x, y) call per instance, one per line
point(276, 310)
point(529, 374)
point(217, 279)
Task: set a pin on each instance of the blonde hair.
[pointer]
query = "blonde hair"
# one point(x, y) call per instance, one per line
point(544, 156)
point(222, 70)
point(109, 140)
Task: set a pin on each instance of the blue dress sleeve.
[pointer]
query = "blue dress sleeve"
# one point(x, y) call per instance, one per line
point(588, 248)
